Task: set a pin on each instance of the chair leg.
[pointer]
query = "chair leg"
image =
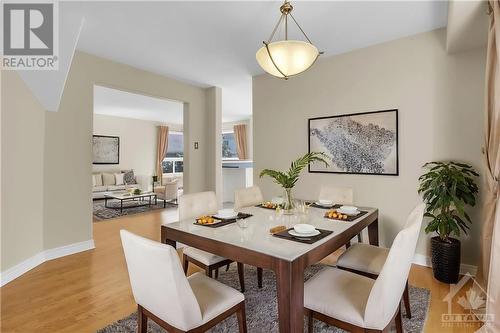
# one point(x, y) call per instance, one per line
point(310, 322)
point(399, 323)
point(360, 238)
point(227, 267)
point(406, 299)
point(242, 318)
point(216, 273)
point(185, 264)
point(259, 277)
point(142, 320)
point(241, 275)
point(348, 245)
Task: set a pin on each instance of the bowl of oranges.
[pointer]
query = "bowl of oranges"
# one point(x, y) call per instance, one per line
point(335, 215)
point(206, 220)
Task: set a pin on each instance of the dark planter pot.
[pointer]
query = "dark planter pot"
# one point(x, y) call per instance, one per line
point(445, 259)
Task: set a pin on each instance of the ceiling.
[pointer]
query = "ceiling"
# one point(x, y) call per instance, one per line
point(118, 103)
point(214, 43)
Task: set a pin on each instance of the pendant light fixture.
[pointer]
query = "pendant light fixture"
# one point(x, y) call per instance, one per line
point(286, 58)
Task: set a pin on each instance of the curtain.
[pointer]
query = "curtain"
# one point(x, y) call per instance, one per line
point(489, 267)
point(240, 136)
point(161, 150)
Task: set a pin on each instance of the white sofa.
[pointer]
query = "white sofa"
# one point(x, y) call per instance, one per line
point(107, 183)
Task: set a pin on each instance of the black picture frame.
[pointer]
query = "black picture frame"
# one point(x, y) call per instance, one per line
point(101, 162)
point(396, 111)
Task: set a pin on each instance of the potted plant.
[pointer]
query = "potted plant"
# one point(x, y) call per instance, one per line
point(288, 179)
point(447, 188)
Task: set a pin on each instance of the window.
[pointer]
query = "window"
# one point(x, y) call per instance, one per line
point(173, 163)
point(229, 146)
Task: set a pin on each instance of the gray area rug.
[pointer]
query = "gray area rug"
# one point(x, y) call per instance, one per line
point(102, 213)
point(261, 307)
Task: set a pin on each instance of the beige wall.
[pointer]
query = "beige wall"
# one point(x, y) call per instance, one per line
point(68, 158)
point(138, 141)
point(22, 132)
point(214, 142)
point(440, 102)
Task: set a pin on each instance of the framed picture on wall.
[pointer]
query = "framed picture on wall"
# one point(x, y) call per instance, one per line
point(105, 149)
point(359, 143)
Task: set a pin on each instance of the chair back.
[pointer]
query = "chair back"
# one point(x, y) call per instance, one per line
point(197, 204)
point(247, 197)
point(385, 296)
point(339, 195)
point(158, 281)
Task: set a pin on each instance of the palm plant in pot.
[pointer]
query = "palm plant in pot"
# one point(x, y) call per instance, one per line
point(288, 179)
point(447, 188)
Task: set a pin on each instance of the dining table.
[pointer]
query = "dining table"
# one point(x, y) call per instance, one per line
point(252, 243)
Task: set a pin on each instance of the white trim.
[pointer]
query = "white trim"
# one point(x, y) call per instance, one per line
point(422, 260)
point(39, 258)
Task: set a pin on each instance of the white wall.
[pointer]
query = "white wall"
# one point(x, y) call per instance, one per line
point(22, 132)
point(440, 102)
point(138, 141)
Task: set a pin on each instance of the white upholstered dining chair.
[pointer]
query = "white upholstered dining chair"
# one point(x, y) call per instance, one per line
point(195, 205)
point(338, 195)
point(247, 197)
point(368, 260)
point(358, 303)
point(164, 294)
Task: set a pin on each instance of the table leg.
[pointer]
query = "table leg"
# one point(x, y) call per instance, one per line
point(106, 202)
point(149, 201)
point(290, 292)
point(373, 232)
point(121, 206)
point(167, 241)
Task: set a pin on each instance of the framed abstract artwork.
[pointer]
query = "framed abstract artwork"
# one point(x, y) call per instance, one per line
point(358, 143)
point(105, 149)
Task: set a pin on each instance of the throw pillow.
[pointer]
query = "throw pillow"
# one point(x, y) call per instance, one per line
point(97, 179)
point(108, 179)
point(119, 178)
point(129, 177)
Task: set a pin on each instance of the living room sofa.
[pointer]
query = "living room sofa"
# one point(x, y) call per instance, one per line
point(112, 181)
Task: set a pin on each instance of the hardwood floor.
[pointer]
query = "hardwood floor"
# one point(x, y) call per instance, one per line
point(89, 290)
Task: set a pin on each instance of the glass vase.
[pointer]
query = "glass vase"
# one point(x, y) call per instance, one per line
point(289, 203)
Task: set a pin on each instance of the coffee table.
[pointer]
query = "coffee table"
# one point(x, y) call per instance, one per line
point(125, 196)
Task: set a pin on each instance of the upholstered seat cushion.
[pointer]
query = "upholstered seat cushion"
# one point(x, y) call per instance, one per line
point(99, 188)
point(338, 294)
point(365, 258)
point(116, 187)
point(213, 297)
point(204, 257)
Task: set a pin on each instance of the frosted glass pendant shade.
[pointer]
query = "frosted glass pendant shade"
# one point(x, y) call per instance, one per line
point(291, 57)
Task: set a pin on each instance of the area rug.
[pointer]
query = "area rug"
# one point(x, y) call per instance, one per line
point(261, 307)
point(102, 213)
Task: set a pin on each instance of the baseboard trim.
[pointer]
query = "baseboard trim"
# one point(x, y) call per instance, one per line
point(422, 260)
point(39, 258)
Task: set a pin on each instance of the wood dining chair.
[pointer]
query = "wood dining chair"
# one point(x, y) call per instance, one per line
point(368, 260)
point(357, 303)
point(165, 295)
point(248, 197)
point(195, 205)
point(338, 195)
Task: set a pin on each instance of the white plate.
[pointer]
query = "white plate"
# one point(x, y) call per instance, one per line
point(350, 213)
point(324, 205)
point(296, 234)
point(226, 214)
point(304, 228)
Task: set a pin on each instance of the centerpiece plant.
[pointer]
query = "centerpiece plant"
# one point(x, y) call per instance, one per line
point(288, 179)
point(447, 188)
